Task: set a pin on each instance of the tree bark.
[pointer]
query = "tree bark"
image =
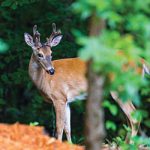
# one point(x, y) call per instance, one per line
point(95, 131)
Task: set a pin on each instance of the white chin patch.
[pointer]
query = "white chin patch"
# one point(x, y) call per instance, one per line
point(77, 98)
point(35, 65)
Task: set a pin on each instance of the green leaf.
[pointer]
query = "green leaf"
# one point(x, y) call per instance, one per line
point(3, 46)
point(110, 125)
point(128, 129)
point(34, 123)
point(147, 123)
point(14, 6)
point(141, 140)
point(139, 114)
point(112, 108)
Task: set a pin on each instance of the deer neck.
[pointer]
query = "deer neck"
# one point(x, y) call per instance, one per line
point(37, 73)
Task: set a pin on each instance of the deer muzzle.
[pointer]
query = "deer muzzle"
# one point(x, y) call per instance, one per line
point(51, 71)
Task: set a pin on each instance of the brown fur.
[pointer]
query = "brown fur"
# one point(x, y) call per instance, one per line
point(68, 72)
point(69, 79)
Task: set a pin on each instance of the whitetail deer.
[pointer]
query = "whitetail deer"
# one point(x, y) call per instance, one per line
point(61, 81)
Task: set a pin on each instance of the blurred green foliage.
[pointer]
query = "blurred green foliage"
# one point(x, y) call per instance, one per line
point(117, 51)
point(123, 42)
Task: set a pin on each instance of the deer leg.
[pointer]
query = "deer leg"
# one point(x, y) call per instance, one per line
point(128, 108)
point(67, 127)
point(60, 119)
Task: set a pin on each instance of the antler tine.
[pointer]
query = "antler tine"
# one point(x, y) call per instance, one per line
point(36, 36)
point(34, 29)
point(54, 27)
point(59, 31)
point(54, 33)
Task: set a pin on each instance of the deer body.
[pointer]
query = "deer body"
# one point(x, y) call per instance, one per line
point(62, 88)
point(62, 81)
point(67, 83)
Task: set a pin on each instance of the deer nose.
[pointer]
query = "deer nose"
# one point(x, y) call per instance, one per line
point(51, 71)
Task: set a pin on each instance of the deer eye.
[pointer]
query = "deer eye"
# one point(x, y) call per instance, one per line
point(40, 55)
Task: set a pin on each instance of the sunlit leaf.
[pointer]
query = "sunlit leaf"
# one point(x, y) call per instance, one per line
point(3, 46)
point(110, 125)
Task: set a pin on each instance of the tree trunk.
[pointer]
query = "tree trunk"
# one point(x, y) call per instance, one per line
point(95, 132)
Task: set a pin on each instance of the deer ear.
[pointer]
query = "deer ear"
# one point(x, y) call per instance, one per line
point(56, 40)
point(28, 39)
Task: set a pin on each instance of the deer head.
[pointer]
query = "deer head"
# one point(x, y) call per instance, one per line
point(43, 52)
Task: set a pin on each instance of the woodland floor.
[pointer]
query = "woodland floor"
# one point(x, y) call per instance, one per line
point(24, 137)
